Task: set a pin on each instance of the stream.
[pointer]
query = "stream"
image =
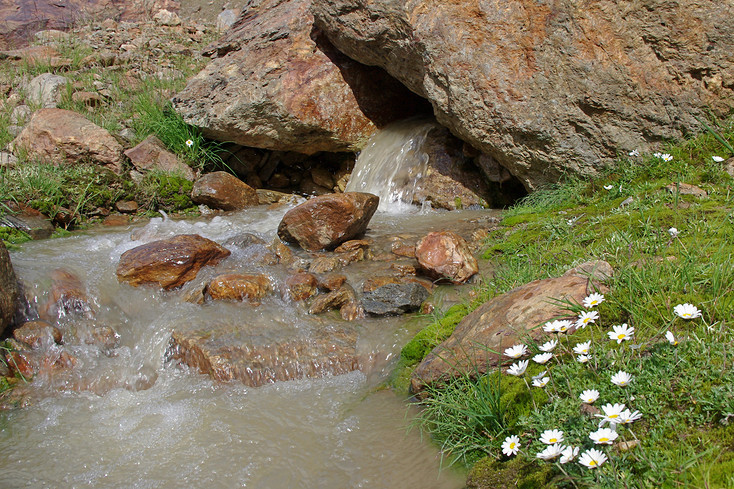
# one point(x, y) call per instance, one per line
point(128, 418)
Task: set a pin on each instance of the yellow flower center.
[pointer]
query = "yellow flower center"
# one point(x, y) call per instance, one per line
point(603, 440)
point(613, 416)
point(592, 463)
point(621, 336)
point(552, 440)
point(512, 446)
point(586, 320)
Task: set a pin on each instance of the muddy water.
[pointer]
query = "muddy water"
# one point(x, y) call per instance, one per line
point(129, 419)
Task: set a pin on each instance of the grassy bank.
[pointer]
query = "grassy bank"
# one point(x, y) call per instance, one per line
point(667, 247)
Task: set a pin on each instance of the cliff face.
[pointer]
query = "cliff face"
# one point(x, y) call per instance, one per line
point(552, 87)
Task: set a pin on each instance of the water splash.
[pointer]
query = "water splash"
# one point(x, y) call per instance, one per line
point(392, 164)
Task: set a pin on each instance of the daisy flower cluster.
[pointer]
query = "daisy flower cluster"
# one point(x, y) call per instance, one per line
point(612, 415)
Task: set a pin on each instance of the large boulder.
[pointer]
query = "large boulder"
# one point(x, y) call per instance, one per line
point(233, 352)
point(170, 262)
point(548, 88)
point(62, 136)
point(326, 221)
point(222, 190)
point(278, 84)
point(480, 338)
point(8, 288)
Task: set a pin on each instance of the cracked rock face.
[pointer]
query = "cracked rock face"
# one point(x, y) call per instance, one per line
point(277, 83)
point(548, 88)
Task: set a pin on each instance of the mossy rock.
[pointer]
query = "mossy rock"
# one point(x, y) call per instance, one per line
point(489, 473)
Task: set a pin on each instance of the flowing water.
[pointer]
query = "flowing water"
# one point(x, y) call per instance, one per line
point(127, 418)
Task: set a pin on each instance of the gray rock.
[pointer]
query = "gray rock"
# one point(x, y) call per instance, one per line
point(394, 299)
point(226, 19)
point(20, 115)
point(46, 90)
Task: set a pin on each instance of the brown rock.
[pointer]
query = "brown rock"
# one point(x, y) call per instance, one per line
point(221, 190)
point(478, 340)
point(9, 291)
point(277, 83)
point(322, 177)
point(90, 99)
point(301, 286)
point(352, 310)
point(333, 300)
point(401, 249)
point(116, 220)
point(126, 206)
point(327, 221)
point(687, 189)
point(38, 334)
point(351, 256)
point(332, 281)
point(445, 254)
point(62, 136)
point(67, 297)
point(323, 264)
point(169, 262)
point(28, 220)
point(238, 287)
point(550, 87)
point(19, 362)
point(225, 353)
point(151, 154)
point(352, 245)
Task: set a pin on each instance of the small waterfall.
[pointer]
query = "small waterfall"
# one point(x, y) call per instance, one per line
point(392, 164)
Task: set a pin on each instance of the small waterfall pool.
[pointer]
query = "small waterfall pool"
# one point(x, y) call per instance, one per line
point(129, 419)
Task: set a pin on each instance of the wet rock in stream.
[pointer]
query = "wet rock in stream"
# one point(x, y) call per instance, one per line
point(225, 352)
point(169, 263)
point(394, 299)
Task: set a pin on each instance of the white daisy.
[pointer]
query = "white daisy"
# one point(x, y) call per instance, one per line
point(671, 339)
point(627, 417)
point(589, 396)
point(189, 143)
point(511, 445)
point(582, 348)
point(542, 358)
point(518, 368)
point(608, 187)
point(687, 311)
point(593, 300)
point(621, 378)
point(557, 326)
point(549, 437)
point(717, 159)
point(666, 157)
point(587, 317)
point(516, 351)
point(541, 382)
point(592, 458)
point(548, 346)
point(657, 155)
point(603, 436)
point(621, 333)
point(551, 452)
point(611, 413)
point(583, 358)
point(569, 453)
point(634, 152)
point(673, 232)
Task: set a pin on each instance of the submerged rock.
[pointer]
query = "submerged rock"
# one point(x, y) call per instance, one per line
point(238, 286)
point(37, 334)
point(394, 299)
point(445, 254)
point(226, 353)
point(478, 340)
point(68, 297)
point(326, 221)
point(169, 263)
point(301, 286)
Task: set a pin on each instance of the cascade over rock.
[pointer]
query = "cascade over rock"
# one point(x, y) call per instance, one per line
point(551, 87)
point(277, 83)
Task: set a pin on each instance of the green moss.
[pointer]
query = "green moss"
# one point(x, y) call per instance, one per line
point(489, 473)
point(13, 236)
point(167, 191)
point(433, 334)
